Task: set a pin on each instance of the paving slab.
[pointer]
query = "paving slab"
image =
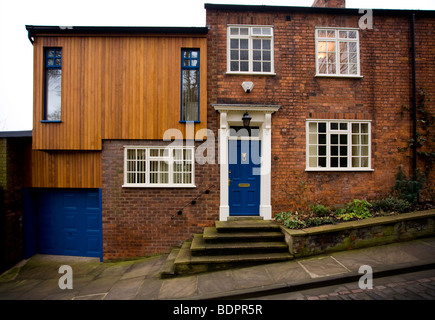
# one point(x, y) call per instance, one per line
point(322, 266)
point(178, 288)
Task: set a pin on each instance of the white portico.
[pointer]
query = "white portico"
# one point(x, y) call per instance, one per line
point(261, 117)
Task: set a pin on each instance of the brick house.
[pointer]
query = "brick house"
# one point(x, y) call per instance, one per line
point(140, 133)
point(329, 97)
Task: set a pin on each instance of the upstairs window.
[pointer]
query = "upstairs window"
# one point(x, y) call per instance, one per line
point(338, 145)
point(250, 49)
point(190, 85)
point(337, 52)
point(53, 84)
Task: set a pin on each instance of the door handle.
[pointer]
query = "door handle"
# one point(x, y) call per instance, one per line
point(229, 182)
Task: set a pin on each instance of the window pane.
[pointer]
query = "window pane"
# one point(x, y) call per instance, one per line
point(312, 127)
point(330, 33)
point(322, 162)
point(234, 66)
point(256, 66)
point(352, 46)
point(256, 55)
point(234, 31)
point(343, 126)
point(322, 127)
point(54, 93)
point(352, 34)
point(322, 138)
point(334, 162)
point(321, 33)
point(330, 46)
point(244, 66)
point(190, 95)
point(244, 44)
point(244, 54)
point(343, 162)
point(267, 67)
point(244, 31)
point(322, 150)
point(234, 44)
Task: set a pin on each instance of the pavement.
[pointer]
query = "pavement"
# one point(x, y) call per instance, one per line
point(38, 278)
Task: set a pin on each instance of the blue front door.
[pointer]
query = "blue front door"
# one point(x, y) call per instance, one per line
point(244, 177)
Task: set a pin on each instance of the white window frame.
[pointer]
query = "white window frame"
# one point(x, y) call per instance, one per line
point(169, 158)
point(328, 133)
point(250, 36)
point(337, 41)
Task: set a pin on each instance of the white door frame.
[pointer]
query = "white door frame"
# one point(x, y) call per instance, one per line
point(231, 115)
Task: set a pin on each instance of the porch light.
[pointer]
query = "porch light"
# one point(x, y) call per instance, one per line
point(246, 119)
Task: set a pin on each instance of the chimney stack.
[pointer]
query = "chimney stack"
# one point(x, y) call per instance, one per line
point(329, 3)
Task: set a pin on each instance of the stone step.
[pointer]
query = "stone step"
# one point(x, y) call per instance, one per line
point(201, 247)
point(168, 268)
point(246, 225)
point(186, 263)
point(211, 234)
point(244, 218)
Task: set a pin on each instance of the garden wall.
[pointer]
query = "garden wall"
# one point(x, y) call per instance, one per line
point(360, 234)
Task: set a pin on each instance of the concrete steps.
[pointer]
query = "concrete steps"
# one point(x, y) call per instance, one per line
point(240, 241)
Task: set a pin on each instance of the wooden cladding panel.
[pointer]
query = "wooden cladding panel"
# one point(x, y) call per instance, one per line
point(66, 169)
point(115, 88)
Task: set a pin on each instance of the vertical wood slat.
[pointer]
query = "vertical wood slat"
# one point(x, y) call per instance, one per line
point(66, 169)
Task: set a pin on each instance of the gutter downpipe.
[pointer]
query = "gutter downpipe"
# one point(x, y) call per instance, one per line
point(414, 98)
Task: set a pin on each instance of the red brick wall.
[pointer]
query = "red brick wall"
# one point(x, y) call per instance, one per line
point(143, 221)
point(379, 96)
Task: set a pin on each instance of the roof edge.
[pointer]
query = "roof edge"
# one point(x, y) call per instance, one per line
point(266, 8)
point(41, 29)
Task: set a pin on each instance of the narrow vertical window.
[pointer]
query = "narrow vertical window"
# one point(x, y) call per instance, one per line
point(53, 84)
point(190, 85)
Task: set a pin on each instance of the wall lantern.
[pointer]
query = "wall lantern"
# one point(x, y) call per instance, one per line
point(246, 119)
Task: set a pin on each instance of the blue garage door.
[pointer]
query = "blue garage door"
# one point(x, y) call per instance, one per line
point(69, 222)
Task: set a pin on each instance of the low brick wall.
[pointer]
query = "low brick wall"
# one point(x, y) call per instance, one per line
point(360, 234)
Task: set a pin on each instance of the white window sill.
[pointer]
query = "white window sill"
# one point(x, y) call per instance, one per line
point(338, 76)
point(340, 169)
point(158, 186)
point(252, 73)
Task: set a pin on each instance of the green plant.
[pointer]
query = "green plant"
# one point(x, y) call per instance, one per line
point(320, 210)
point(408, 189)
point(290, 220)
point(391, 204)
point(317, 221)
point(359, 209)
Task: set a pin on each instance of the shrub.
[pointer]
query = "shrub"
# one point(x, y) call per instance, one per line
point(359, 209)
point(290, 220)
point(320, 210)
point(409, 189)
point(391, 204)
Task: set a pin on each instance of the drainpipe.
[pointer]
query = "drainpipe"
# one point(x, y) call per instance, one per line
point(414, 98)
